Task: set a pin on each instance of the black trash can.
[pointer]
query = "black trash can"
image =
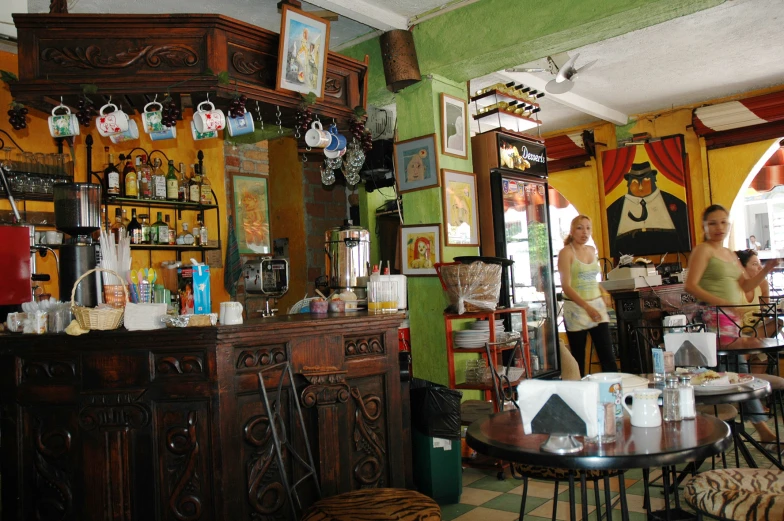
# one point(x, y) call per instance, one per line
point(435, 440)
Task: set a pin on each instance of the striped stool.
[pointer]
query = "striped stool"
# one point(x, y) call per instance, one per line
point(737, 494)
point(377, 504)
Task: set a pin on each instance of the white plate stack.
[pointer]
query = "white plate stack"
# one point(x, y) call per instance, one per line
point(470, 339)
point(484, 325)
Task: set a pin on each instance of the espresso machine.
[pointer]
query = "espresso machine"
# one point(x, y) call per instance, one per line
point(266, 278)
point(77, 213)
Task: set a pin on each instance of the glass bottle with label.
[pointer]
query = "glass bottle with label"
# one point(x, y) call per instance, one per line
point(125, 219)
point(172, 183)
point(185, 237)
point(135, 229)
point(203, 235)
point(182, 185)
point(111, 175)
point(172, 231)
point(146, 235)
point(144, 174)
point(158, 181)
point(131, 180)
point(194, 186)
point(159, 231)
point(206, 189)
point(117, 226)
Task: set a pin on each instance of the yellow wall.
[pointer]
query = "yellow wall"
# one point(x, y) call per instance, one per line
point(36, 138)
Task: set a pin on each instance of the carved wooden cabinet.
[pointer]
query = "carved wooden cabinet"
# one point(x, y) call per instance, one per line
point(645, 308)
point(169, 425)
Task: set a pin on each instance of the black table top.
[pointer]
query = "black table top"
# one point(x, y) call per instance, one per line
point(501, 436)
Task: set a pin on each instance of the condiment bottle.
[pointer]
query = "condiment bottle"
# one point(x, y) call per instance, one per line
point(671, 410)
point(688, 409)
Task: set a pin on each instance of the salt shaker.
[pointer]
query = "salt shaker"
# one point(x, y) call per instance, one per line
point(671, 399)
point(688, 409)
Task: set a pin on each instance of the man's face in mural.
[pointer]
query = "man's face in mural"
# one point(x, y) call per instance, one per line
point(641, 185)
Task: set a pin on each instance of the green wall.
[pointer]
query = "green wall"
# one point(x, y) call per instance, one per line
point(490, 35)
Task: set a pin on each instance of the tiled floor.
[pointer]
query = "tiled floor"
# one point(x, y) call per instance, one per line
point(486, 498)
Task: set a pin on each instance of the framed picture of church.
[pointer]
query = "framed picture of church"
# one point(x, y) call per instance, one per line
point(646, 193)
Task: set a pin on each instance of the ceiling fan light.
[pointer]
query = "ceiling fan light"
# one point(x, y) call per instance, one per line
point(559, 87)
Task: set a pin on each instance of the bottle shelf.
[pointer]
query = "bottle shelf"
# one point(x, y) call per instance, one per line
point(499, 118)
point(157, 203)
point(494, 96)
point(174, 247)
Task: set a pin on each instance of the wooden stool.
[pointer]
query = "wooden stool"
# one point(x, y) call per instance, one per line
point(378, 504)
point(738, 494)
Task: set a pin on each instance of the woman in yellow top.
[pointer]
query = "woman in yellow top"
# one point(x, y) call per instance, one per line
point(716, 278)
point(584, 309)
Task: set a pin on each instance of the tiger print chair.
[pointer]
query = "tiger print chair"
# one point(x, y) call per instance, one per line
point(373, 504)
point(737, 494)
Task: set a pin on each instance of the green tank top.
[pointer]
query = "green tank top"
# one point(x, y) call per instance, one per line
point(584, 278)
point(721, 279)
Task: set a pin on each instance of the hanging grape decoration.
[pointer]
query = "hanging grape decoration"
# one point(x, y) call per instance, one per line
point(17, 116)
point(360, 134)
point(171, 112)
point(85, 111)
point(237, 107)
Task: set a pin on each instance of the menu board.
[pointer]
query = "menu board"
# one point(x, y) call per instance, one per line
point(522, 155)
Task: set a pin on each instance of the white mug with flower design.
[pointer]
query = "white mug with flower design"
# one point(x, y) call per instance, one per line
point(63, 125)
point(211, 119)
point(109, 124)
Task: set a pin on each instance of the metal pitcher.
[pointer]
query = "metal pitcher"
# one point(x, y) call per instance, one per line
point(348, 254)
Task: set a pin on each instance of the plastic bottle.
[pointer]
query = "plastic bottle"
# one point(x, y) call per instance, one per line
point(390, 292)
point(374, 291)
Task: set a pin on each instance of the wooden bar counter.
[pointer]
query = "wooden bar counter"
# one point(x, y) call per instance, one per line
point(169, 424)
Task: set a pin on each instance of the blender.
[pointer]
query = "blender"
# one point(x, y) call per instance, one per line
point(77, 209)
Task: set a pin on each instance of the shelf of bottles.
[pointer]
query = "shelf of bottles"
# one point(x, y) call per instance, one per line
point(137, 184)
point(507, 105)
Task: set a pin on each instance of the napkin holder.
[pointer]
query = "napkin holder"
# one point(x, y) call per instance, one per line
point(562, 410)
point(697, 349)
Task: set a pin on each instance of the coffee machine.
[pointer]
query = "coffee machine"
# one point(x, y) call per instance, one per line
point(77, 212)
point(266, 278)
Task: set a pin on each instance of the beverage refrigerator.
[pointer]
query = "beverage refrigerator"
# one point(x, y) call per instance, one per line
point(514, 221)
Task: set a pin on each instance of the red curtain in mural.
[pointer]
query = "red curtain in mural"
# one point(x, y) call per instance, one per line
point(667, 157)
point(615, 164)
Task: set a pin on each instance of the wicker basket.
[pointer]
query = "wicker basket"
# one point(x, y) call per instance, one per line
point(93, 318)
point(471, 287)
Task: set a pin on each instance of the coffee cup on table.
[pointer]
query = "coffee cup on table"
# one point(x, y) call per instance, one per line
point(153, 119)
point(230, 313)
point(64, 124)
point(610, 389)
point(111, 123)
point(317, 137)
point(208, 118)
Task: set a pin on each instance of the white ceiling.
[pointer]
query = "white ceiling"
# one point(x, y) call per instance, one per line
point(730, 49)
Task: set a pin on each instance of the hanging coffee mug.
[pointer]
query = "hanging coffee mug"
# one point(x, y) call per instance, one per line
point(129, 135)
point(153, 119)
point(338, 142)
point(209, 119)
point(334, 154)
point(166, 133)
point(197, 136)
point(63, 125)
point(112, 123)
point(241, 125)
point(317, 137)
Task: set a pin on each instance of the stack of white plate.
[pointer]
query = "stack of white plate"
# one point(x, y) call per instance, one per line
point(484, 325)
point(470, 338)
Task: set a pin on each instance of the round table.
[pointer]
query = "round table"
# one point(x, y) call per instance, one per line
point(501, 436)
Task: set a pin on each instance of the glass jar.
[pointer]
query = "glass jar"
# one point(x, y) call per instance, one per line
point(688, 408)
point(671, 409)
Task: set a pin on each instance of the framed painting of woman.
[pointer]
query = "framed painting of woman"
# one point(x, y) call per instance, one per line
point(420, 248)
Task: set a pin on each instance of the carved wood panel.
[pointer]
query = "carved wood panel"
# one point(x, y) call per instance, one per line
point(185, 467)
point(365, 345)
point(178, 365)
point(253, 359)
point(129, 55)
point(49, 371)
point(248, 64)
point(367, 420)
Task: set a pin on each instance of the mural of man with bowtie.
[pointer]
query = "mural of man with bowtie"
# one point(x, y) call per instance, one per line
point(647, 219)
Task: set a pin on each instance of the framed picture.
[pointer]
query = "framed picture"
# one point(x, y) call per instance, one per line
point(458, 195)
point(302, 52)
point(454, 138)
point(251, 213)
point(416, 164)
point(420, 247)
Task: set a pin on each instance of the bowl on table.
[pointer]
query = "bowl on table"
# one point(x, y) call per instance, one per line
point(319, 307)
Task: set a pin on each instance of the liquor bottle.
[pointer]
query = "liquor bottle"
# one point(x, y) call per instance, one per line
point(131, 184)
point(203, 236)
point(111, 175)
point(158, 182)
point(185, 237)
point(511, 107)
point(194, 186)
point(172, 231)
point(205, 189)
point(146, 235)
point(135, 229)
point(200, 231)
point(117, 226)
point(172, 183)
point(144, 175)
point(125, 219)
point(196, 232)
point(159, 231)
point(182, 185)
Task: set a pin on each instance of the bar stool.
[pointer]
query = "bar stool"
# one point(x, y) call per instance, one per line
point(737, 494)
point(379, 504)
